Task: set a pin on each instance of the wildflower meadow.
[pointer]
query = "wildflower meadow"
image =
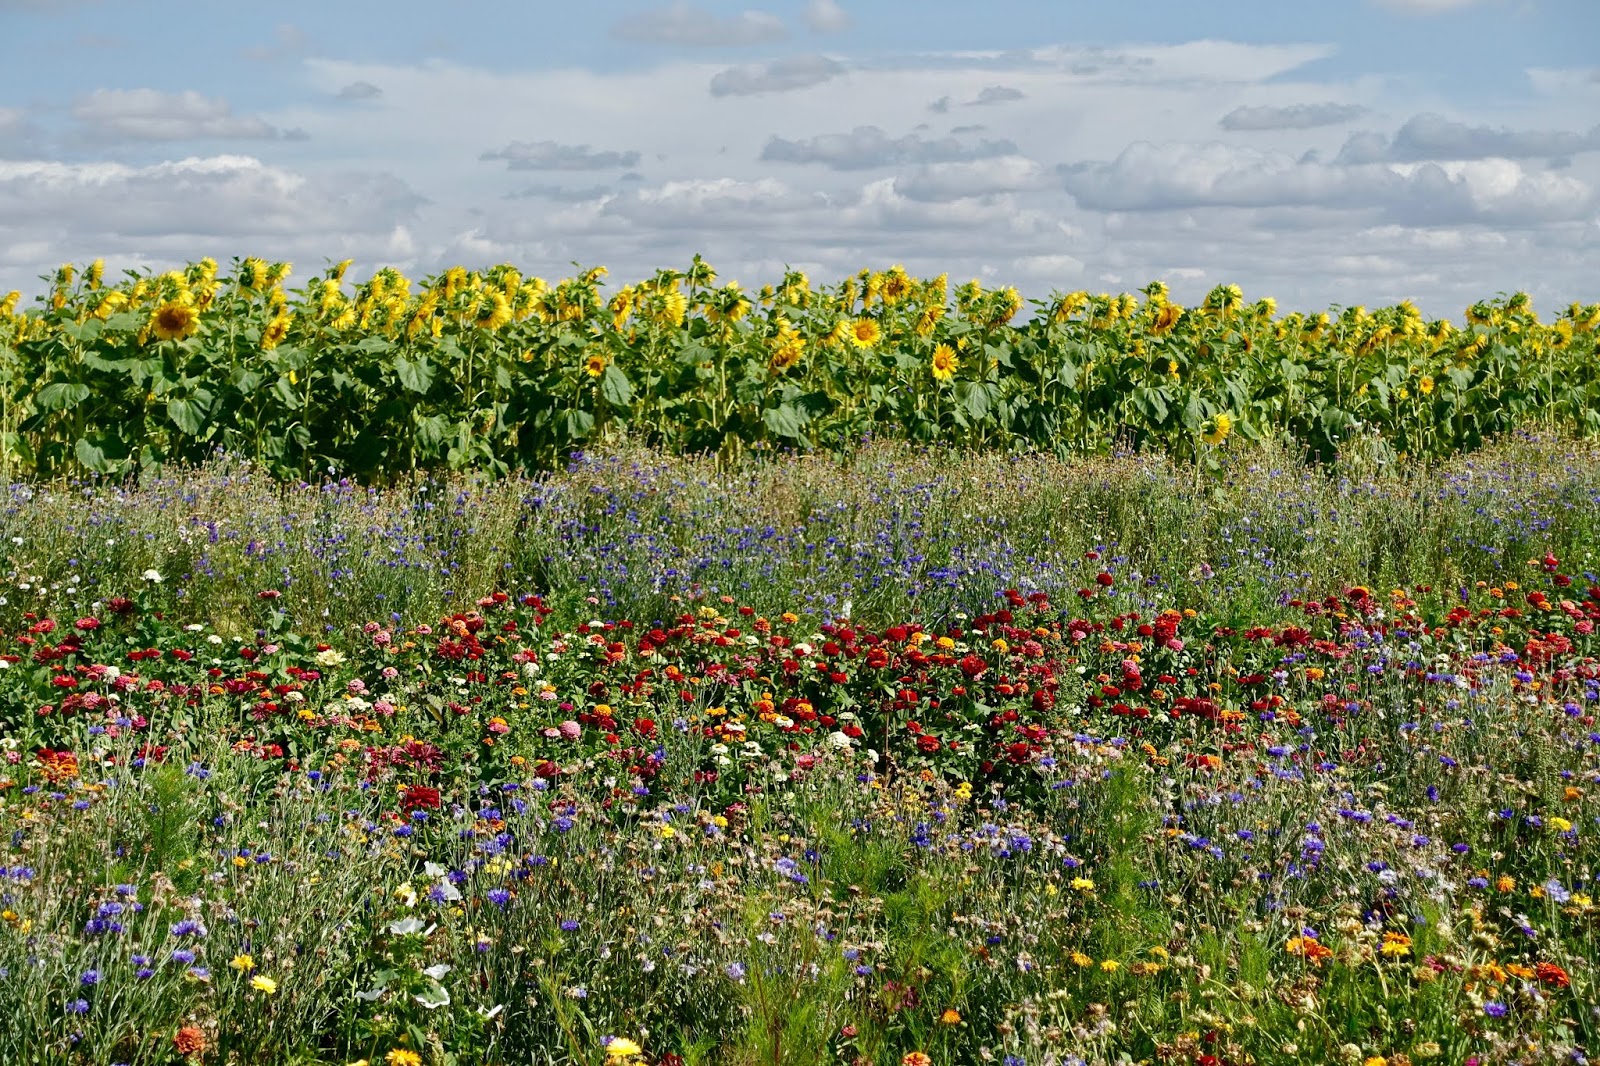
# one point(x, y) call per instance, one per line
point(1253, 724)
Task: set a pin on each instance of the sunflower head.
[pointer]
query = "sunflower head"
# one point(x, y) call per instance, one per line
point(944, 363)
point(595, 365)
point(174, 320)
point(1216, 429)
point(865, 332)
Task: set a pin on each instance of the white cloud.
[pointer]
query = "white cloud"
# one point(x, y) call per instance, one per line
point(826, 16)
point(943, 182)
point(997, 94)
point(1430, 136)
point(868, 147)
point(152, 115)
point(177, 211)
point(548, 155)
point(781, 75)
point(1428, 7)
point(360, 90)
point(1178, 176)
point(684, 24)
point(1291, 117)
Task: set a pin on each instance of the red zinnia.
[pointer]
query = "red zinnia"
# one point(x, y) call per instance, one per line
point(420, 798)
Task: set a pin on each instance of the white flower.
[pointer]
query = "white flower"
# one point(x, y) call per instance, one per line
point(839, 740)
point(438, 970)
point(152, 576)
point(406, 926)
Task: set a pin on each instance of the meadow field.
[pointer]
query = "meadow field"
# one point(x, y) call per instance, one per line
point(850, 675)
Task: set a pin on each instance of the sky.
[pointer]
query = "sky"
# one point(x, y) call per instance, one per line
point(1331, 153)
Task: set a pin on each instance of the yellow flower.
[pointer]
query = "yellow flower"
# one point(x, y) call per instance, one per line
point(402, 1057)
point(1425, 386)
point(492, 312)
point(950, 1017)
point(174, 320)
point(1110, 965)
point(595, 365)
point(264, 985)
point(864, 333)
point(1166, 318)
point(620, 1047)
point(243, 963)
point(1082, 884)
point(1217, 429)
point(1559, 824)
point(276, 330)
point(944, 362)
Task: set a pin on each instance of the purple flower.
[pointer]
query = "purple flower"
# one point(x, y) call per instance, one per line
point(1494, 1010)
point(499, 897)
point(89, 978)
point(78, 1006)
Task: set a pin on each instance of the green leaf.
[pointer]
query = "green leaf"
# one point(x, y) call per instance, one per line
point(186, 414)
point(62, 396)
point(86, 330)
point(784, 421)
point(615, 386)
point(102, 454)
point(415, 374)
point(579, 424)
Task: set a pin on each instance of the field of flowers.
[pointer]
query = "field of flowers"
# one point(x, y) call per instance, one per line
point(495, 370)
point(915, 757)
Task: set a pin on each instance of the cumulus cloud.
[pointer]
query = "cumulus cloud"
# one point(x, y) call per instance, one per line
point(997, 94)
point(781, 75)
point(826, 16)
point(360, 90)
point(944, 182)
point(550, 155)
point(177, 211)
point(1433, 137)
point(867, 147)
point(1292, 117)
point(152, 115)
point(1173, 177)
point(684, 24)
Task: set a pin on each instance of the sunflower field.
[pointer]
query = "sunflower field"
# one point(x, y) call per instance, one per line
point(497, 371)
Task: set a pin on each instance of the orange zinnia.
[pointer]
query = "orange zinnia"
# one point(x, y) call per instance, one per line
point(189, 1040)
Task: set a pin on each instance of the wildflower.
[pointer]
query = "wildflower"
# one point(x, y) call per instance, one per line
point(243, 963)
point(1550, 974)
point(915, 1058)
point(1080, 960)
point(265, 985)
point(1395, 946)
point(950, 1017)
point(402, 1057)
point(594, 365)
point(190, 1040)
point(944, 363)
point(1110, 965)
point(620, 1047)
point(1494, 1010)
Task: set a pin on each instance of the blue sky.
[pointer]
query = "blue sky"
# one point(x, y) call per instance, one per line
point(1346, 151)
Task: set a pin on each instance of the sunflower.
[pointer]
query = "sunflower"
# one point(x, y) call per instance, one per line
point(864, 333)
point(1216, 429)
point(595, 365)
point(276, 330)
point(1425, 385)
point(493, 310)
point(944, 363)
point(1166, 318)
point(174, 320)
